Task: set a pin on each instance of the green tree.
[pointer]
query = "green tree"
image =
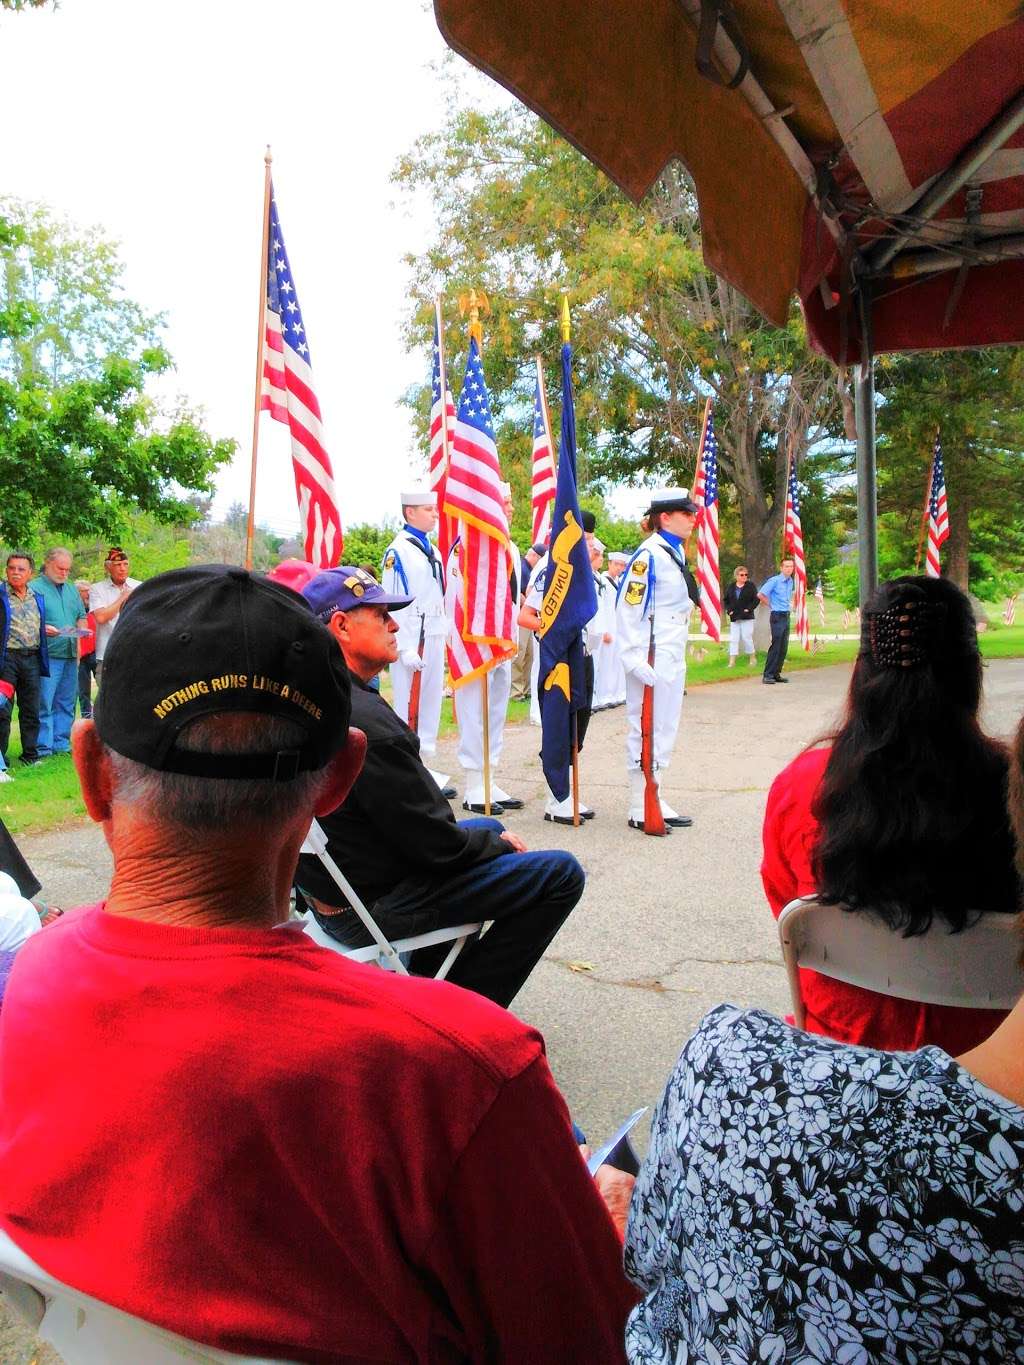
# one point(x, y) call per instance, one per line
point(521, 214)
point(976, 400)
point(82, 444)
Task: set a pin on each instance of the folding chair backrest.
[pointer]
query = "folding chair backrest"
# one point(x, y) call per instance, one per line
point(382, 951)
point(85, 1331)
point(975, 969)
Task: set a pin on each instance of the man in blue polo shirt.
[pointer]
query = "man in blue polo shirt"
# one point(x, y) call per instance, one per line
point(777, 595)
point(65, 616)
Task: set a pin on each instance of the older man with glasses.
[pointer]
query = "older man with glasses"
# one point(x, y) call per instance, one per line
point(65, 620)
point(107, 597)
point(24, 658)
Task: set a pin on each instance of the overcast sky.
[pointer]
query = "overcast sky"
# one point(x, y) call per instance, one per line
point(151, 119)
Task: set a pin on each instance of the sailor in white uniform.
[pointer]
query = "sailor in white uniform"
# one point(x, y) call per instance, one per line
point(610, 678)
point(656, 596)
point(412, 568)
point(469, 699)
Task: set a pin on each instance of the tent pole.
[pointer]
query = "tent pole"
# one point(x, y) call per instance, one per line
point(867, 509)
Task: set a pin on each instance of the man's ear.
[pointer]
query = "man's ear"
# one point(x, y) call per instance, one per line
point(341, 772)
point(93, 768)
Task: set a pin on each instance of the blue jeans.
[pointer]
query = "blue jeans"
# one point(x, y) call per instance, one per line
point(58, 694)
point(527, 895)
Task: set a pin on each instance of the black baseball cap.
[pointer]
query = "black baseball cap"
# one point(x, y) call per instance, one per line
point(214, 640)
point(346, 588)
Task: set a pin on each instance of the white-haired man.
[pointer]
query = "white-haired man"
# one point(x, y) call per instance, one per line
point(263, 1146)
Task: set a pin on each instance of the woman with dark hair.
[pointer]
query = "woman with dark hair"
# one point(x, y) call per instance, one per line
point(903, 813)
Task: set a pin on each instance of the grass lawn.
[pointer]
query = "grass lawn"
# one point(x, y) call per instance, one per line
point(46, 796)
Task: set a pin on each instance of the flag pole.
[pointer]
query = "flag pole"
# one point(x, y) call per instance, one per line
point(785, 493)
point(472, 303)
point(566, 336)
point(250, 525)
point(544, 401)
point(927, 504)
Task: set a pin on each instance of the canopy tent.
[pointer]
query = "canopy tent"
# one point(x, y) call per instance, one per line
point(868, 158)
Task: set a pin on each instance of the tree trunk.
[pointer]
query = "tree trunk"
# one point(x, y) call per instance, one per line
point(958, 546)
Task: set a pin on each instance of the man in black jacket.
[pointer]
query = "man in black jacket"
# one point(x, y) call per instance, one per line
point(740, 603)
point(409, 860)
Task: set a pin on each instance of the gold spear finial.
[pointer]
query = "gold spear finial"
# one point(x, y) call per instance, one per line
point(475, 302)
point(566, 325)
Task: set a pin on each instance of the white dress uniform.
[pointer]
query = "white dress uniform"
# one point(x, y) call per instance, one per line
point(412, 568)
point(469, 710)
point(602, 624)
point(534, 597)
point(610, 676)
point(654, 584)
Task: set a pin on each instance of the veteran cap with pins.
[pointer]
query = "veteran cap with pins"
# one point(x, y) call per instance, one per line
point(346, 588)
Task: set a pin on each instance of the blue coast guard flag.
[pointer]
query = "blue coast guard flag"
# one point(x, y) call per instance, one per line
point(570, 601)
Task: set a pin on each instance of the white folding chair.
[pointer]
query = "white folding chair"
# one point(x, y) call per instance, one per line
point(86, 1331)
point(382, 951)
point(975, 969)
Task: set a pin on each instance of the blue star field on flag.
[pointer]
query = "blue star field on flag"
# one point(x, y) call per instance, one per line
point(281, 295)
point(938, 480)
point(474, 404)
point(710, 463)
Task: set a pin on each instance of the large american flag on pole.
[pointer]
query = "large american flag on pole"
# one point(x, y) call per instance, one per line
point(793, 542)
point(938, 514)
point(286, 392)
point(442, 426)
point(482, 633)
point(705, 495)
point(544, 484)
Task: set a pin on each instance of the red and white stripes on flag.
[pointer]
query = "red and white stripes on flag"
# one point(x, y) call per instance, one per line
point(819, 593)
point(705, 495)
point(286, 392)
point(793, 543)
point(938, 513)
point(442, 427)
point(482, 633)
point(544, 482)
point(1010, 611)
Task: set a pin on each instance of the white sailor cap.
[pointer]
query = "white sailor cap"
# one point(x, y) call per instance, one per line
point(618, 557)
point(596, 544)
point(672, 500)
point(419, 497)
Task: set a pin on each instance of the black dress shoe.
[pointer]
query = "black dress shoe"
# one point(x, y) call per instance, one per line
point(567, 819)
point(449, 793)
point(639, 824)
point(478, 809)
point(768, 682)
point(780, 678)
point(511, 803)
point(679, 821)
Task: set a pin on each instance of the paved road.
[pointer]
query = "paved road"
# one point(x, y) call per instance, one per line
point(669, 927)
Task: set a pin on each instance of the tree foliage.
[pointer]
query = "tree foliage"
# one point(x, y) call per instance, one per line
point(522, 215)
point(81, 441)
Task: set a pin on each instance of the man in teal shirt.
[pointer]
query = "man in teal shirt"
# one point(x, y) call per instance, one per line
point(65, 615)
point(777, 596)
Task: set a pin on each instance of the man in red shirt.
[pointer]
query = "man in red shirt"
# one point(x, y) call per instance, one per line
point(246, 1138)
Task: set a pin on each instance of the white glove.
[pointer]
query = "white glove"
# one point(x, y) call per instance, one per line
point(411, 659)
point(645, 673)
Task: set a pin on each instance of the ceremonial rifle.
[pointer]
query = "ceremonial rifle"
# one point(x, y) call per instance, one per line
point(654, 821)
point(417, 683)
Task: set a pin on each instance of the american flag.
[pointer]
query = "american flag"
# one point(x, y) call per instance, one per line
point(442, 426)
point(819, 593)
point(938, 514)
point(483, 628)
point(1010, 611)
point(705, 495)
point(793, 541)
point(543, 464)
point(286, 392)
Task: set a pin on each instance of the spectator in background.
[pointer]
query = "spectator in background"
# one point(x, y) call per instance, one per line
point(740, 604)
point(86, 654)
point(777, 595)
point(24, 655)
point(59, 688)
point(107, 597)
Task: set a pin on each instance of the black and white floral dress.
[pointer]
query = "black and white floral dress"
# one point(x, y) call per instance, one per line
point(806, 1201)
